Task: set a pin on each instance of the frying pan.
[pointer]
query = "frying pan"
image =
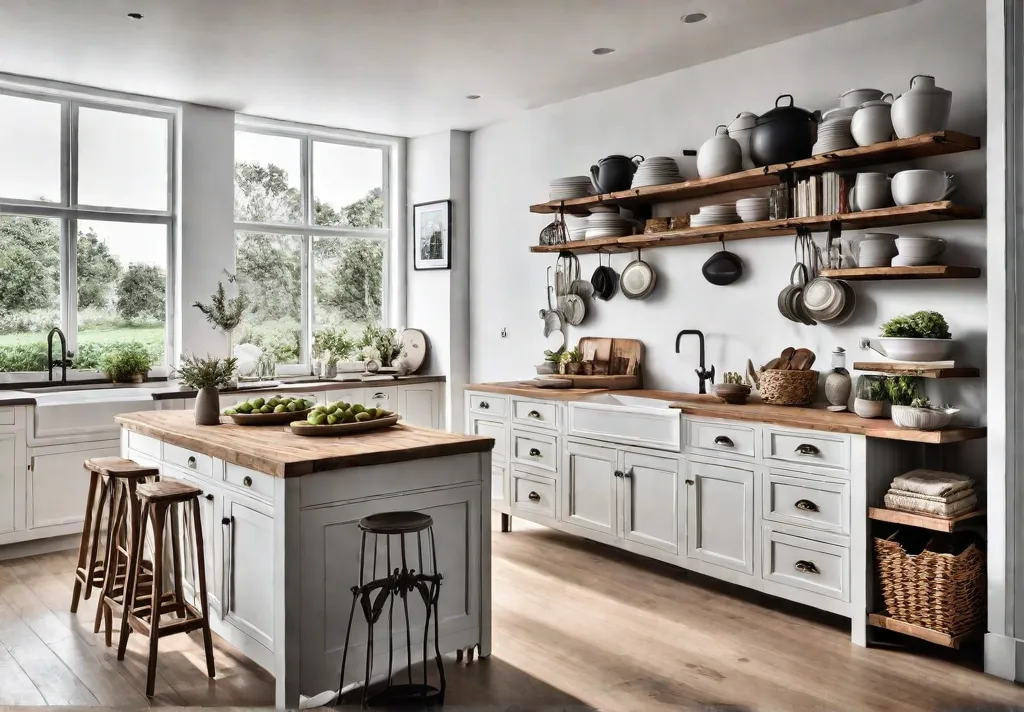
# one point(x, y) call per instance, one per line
point(637, 281)
point(605, 280)
point(722, 268)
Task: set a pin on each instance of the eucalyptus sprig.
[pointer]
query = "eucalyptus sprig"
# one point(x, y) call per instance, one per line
point(223, 312)
point(209, 372)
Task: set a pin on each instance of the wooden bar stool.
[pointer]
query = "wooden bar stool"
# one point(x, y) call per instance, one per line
point(91, 570)
point(143, 608)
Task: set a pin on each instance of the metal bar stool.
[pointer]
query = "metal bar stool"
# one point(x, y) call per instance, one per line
point(378, 592)
point(142, 609)
point(104, 472)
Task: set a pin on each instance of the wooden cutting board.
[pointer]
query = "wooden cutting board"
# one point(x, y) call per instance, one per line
point(613, 357)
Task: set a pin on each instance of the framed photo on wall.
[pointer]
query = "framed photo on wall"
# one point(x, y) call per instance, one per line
point(432, 238)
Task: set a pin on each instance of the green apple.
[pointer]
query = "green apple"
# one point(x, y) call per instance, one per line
point(332, 419)
point(363, 416)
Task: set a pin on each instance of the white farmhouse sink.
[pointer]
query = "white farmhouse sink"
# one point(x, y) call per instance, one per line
point(629, 420)
point(76, 413)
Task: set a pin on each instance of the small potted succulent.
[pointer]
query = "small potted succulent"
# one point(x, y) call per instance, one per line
point(732, 389)
point(920, 414)
point(571, 362)
point(551, 361)
point(870, 399)
point(207, 376)
point(921, 336)
point(127, 363)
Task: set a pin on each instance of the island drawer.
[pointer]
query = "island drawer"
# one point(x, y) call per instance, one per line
point(805, 448)
point(535, 414)
point(720, 438)
point(539, 450)
point(494, 406)
point(188, 459)
point(255, 483)
point(533, 493)
point(807, 564)
point(144, 444)
point(806, 501)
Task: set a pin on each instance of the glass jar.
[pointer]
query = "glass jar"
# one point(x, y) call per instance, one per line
point(871, 388)
point(839, 360)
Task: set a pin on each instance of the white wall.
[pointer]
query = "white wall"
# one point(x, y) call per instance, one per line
point(512, 163)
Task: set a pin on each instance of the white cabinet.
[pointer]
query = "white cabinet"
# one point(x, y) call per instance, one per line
point(488, 427)
point(650, 500)
point(11, 444)
point(589, 487)
point(247, 598)
point(57, 484)
point(209, 506)
point(720, 514)
point(385, 397)
point(420, 404)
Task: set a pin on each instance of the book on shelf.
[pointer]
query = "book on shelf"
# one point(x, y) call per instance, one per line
point(825, 194)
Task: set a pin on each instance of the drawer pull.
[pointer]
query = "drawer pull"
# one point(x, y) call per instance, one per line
point(534, 497)
point(533, 414)
point(618, 473)
point(807, 505)
point(628, 475)
point(209, 497)
point(724, 441)
point(247, 481)
point(192, 462)
point(484, 405)
point(379, 396)
point(534, 452)
point(806, 567)
point(806, 449)
point(690, 482)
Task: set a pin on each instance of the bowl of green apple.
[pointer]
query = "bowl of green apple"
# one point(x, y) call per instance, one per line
point(276, 410)
point(342, 418)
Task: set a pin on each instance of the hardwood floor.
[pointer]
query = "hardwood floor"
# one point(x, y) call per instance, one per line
point(576, 626)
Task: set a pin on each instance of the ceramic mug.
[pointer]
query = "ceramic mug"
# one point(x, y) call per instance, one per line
point(871, 191)
point(921, 186)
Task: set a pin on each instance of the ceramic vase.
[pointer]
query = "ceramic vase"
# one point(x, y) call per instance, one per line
point(868, 408)
point(208, 406)
point(837, 388)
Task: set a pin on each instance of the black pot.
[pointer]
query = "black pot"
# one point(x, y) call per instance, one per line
point(722, 268)
point(784, 134)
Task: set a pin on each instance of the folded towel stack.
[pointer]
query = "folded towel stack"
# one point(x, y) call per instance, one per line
point(940, 494)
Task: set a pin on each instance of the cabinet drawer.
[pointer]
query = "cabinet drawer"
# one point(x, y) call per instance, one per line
point(255, 483)
point(721, 438)
point(144, 444)
point(491, 429)
point(7, 416)
point(195, 461)
point(536, 414)
point(377, 397)
point(810, 449)
point(494, 406)
point(538, 450)
point(807, 564)
point(498, 482)
point(533, 493)
point(806, 501)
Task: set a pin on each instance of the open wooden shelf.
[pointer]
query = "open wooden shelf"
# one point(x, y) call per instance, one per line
point(880, 620)
point(921, 371)
point(857, 274)
point(922, 521)
point(923, 146)
point(866, 219)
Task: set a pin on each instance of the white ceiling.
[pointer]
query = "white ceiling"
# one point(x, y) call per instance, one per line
point(390, 66)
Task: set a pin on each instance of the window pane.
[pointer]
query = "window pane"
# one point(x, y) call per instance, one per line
point(29, 149)
point(122, 160)
point(349, 290)
point(122, 283)
point(347, 183)
point(269, 269)
point(268, 176)
point(29, 290)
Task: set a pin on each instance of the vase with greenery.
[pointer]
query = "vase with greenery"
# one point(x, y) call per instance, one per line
point(552, 359)
point(571, 362)
point(331, 345)
point(902, 390)
point(380, 345)
point(127, 363)
point(922, 336)
point(206, 376)
point(225, 313)
point(870, 399)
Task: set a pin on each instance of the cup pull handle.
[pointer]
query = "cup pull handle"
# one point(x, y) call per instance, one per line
point(807, 505)
point(378, 396)
point(534, 452)
point(192, 462)
point(806, 567)
point(724, 441)
point(484, 405)
point(247, 481)
point(533, 414)
point(534, 497)
point(806, 449)
point(690, 482)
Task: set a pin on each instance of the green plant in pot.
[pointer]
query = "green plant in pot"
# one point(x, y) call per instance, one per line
point(225, 313)
point(332, 345)
point(920, 414)
point(571, 362)
point(380, 347)
point(206, 376)
point(922, 336)
point(552, 359)
point(869, 401)
point(127, 363)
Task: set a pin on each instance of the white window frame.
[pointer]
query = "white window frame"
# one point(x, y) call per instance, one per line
point(307, 135)
point(71, 99)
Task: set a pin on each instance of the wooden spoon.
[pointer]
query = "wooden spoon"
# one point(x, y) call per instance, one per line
point(771, 365)
point(802, 360)
point(785, 357)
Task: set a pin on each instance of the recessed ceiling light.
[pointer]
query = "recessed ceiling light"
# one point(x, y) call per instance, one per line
point(135, 15)
point(693, 17)
point(472, 96)
point(603, 50)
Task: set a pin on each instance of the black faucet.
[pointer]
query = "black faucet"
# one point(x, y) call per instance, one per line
point(64, 361)
point(702, 373)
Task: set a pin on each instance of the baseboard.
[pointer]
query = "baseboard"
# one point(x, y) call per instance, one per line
point(34, 547)
point(1004, 657)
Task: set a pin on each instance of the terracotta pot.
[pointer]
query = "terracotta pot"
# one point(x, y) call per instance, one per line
point(573, 369)
point(208, 407)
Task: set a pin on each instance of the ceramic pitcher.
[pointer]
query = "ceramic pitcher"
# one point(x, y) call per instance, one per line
point(614, 173)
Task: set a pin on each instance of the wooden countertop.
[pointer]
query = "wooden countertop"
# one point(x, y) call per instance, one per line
point(275, 450)
point(708, 406)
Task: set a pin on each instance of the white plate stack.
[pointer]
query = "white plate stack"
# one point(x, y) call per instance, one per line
point(577, 226)
point(720, 214)
point(834, 131)
point(657, 170)
point(752, 209)
point(605, 221)
point(570, 187)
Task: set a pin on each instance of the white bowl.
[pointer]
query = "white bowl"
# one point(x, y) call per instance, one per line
point(921, 186)
point(920, 247)
point(909, 349)
point(855, 97)
point(905, 416)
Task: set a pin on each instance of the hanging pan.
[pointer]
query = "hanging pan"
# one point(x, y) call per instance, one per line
point(605, 280)
point(723, 267)
point(638, 279)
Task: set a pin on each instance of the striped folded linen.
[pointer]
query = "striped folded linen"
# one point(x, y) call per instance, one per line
point(937, 509)
point(955, 497)
point(932, 483)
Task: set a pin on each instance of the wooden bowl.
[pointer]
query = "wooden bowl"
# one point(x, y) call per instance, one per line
point(732, 393)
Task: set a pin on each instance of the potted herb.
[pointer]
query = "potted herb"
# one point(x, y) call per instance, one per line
point(206, 375)
point(902, 390)
point(572, 362)
point(870, 399)
point(920, 414)
point(380, 347)
point(332, 346)
point(732, 389)
point(921, 336)
point(127, 363)
point(223, 312)
point(551, 361)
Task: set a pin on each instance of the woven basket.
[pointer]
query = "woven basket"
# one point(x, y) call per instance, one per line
point(941, 592)
point(788, 387)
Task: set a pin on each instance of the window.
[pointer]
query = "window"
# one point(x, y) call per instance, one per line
point(311, 238)
point(85, 224)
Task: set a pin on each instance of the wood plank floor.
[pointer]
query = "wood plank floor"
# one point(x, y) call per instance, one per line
point(576, 626)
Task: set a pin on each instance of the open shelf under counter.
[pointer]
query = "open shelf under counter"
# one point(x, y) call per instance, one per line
point(880, 620)
point(866, 219)
point(923, 146)
point(863, 274)
point(923, 521)
point(922, 370)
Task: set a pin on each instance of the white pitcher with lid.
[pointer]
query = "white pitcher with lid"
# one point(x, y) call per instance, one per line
point(923, 109)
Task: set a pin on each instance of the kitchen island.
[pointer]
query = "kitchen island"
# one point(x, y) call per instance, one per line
point(280, 516)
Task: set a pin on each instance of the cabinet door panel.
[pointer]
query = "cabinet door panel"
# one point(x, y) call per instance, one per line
point(418, 405)
point(650, 499)
point(208, 504)
point(8, 467)
point(58, 486)
point(589, 487)
point(248, 596)
point(491, 429)
point(720, 515)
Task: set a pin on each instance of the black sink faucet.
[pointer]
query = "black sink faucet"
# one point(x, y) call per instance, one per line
point(702, 373)
point(64, 361)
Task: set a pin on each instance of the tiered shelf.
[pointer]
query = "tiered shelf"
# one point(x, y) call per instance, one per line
point(859, 274)
point(922, 521)
point(896, 369)
point(932, 636)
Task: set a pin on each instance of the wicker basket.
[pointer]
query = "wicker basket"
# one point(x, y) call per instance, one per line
point(788, 387)
point(941, 592)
